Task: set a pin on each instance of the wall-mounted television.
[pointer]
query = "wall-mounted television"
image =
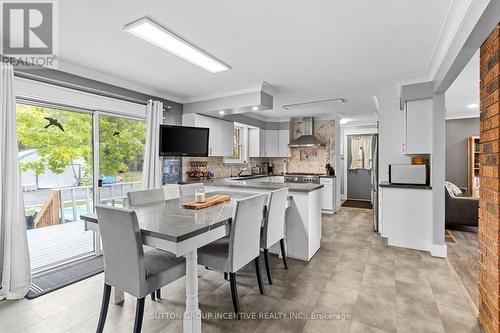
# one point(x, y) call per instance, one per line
point(183, 141)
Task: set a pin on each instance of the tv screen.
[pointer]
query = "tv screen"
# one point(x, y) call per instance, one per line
point(183, 141)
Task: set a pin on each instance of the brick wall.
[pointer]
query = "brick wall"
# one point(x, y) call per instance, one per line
point(489, 202)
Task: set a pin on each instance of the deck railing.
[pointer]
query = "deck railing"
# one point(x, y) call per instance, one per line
point(53, 210)
point(49, 215)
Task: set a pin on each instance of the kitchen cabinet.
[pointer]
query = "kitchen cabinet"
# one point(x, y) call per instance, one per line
point(226, 133)
point(327, 194)
point(418, 127)
point(255, 142)
point(405, 217)
point(268, 143)
point(220, 140)
point(271, 143)
point(279, 179)
point(283, 141)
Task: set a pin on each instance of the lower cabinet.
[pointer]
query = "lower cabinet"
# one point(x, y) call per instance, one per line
point(327, 194)
point(405, 217)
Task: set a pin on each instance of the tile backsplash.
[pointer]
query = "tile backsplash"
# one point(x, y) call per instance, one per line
point(302, 160)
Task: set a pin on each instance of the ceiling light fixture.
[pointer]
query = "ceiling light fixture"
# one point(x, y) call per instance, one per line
point(473, 106)
point(255, 108)
point(154, 33)
point(221, 112)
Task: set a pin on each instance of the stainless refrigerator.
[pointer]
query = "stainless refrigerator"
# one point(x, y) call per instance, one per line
point(374, 182)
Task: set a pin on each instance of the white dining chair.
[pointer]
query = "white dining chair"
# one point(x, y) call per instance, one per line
point(127, 266)
point(230, 254)
point(273, 230)
point(142, 197)
point(188, 190)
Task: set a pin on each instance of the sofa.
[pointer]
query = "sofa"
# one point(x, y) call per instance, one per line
point(460, 209)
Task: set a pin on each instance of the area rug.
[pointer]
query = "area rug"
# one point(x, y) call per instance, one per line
point(357, 204)
point(48, 281)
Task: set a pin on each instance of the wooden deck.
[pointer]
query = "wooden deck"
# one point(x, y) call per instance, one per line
point(58, 243)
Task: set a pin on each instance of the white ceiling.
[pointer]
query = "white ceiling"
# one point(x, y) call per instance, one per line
point(308, 50)
point(464, 91)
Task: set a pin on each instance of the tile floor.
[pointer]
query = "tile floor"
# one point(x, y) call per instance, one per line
point(370, 286)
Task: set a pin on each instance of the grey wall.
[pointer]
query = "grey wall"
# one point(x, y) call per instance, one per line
point(457, 132)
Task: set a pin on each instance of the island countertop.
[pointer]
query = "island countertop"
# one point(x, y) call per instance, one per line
point(292, 187)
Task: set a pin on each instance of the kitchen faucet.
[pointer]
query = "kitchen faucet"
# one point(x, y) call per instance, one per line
point(241, 170)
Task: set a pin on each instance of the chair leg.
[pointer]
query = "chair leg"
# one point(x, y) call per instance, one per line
point(104, 307)
point(158, 294)
point(283, 254)
point(266, 261)
point(153, 298)
point(259, 277)
point(139, 314)
point(234, 294)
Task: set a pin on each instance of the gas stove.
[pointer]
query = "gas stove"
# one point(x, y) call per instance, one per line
point(302, 177)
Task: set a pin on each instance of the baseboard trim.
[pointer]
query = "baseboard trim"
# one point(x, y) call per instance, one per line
point(439, 250)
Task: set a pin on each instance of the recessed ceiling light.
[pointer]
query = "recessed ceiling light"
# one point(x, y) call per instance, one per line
point(161, 37)
point(221, 112)
point(473, 106)
point(255, 108)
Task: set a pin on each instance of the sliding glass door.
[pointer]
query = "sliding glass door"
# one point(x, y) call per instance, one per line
point(121, 156)
point(56, 161)
point(61, 152)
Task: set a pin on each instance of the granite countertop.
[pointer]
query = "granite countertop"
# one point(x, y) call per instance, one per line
point(168, 220)
point(292, 187)
point(408, 186)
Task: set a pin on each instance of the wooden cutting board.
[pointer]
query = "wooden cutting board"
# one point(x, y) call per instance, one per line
point(210, 201)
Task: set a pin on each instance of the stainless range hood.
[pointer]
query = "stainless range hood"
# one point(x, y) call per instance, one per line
point(307, 140)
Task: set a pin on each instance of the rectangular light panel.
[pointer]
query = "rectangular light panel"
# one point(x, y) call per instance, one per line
point(161, 37)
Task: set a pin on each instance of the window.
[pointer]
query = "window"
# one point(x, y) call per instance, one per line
point(238, 155)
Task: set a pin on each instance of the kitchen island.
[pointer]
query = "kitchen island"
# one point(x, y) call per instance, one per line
point(303, 217)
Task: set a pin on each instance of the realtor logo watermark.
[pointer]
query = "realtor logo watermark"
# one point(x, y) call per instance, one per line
point(29, 33)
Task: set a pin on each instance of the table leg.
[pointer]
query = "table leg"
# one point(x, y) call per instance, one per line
point(192, 316)
point(117, 296)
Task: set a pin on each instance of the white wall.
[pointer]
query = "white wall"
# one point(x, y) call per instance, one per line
point(390, 136)
point(438, 247)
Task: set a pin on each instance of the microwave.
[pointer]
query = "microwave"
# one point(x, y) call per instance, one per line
point(409, 174)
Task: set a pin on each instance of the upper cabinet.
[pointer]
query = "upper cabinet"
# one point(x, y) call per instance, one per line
point(418, 127)
point(271, 143)
point(255, 142)
point(284, 140)
point(220, 139)
point(268, 143)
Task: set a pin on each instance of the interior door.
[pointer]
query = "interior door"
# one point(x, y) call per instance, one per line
point(121, 157)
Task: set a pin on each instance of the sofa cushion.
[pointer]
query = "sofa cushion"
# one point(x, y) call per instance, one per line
point(455, 191)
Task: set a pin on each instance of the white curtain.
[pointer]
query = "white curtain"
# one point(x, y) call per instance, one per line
point(151, 172)
point(366, 143)
point(14, 255)
point(361, 153)
point(356, 154)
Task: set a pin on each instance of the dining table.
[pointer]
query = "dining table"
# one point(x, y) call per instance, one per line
point(167, 226)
